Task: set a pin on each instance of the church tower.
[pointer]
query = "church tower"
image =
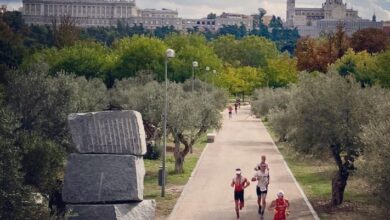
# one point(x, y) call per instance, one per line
point(290, 12)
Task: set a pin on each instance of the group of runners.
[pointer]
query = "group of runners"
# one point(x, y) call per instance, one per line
point(237, 105)
point(280, 205)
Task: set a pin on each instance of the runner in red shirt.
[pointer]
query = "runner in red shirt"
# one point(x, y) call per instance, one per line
point(280, 205)
point(239, 183)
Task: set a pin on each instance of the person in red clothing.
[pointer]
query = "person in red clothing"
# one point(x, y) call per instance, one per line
point(280, 205)
point(230, 109)
point(239, 183)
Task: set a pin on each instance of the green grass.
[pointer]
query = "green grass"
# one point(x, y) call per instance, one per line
point(175, 182)
point(315, 176)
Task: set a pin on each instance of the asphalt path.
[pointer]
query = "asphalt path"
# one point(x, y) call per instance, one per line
point(239, 144)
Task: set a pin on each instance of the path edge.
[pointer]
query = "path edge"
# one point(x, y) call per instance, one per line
point(189, 179)
point(313, 212)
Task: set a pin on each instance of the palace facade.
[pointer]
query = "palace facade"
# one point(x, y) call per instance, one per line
point(333, 13)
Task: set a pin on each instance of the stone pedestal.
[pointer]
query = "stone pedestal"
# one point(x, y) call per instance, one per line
point(144, 210)
point(102, 178)
point(105, 179)
point(120, 132)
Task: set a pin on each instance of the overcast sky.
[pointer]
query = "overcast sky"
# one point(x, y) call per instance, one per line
point(200, 8)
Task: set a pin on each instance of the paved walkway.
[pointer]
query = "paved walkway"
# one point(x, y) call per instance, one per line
point(240, 143)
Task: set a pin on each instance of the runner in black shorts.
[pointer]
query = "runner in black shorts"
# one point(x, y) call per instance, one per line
point(239, 183)
point(262, 178)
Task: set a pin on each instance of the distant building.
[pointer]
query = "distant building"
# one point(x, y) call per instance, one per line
point(386, 27)
point(333, 13)
point(3, 9)
point(215, 24)
point(89, 13)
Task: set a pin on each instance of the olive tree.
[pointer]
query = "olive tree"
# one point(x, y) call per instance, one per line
point(376, 139)
point(266, 99)
point(325, 117)
point(190, 114)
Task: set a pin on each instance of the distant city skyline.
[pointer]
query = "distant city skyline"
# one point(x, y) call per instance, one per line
point(200, 8)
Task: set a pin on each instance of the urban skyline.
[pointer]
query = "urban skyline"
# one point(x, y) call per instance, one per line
point(198, 9)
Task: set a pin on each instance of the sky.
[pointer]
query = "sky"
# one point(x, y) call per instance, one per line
point(200, 8)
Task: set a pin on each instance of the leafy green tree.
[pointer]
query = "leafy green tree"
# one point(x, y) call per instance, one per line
point(276, 22)
point(88, 59)
point(163, 32)
point(281, 71)
point(254, 51)
point(138, 53)
point(383, 69)
point(235, 30)
point(362, 65)
point(191, 48)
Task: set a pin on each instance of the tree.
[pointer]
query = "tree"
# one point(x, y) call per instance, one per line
point(190, 115)
point(383, 69)
point(281, 71)
point(138, 53)
point(312, 55)
point(372, 40)
point(275, 22)
point(66, 33)
point(376, 142)
point(235, 30)
point(191, 48)
point(361, 65)
point(212, 16)
point(87, 59)
point(325, 117)
point(163, 32)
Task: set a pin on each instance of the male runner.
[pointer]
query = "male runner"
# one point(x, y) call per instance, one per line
point(262, 178)
point(263, 158)
point(239, 183)
point(280, 205)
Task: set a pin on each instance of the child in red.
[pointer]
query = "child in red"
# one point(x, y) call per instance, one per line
point(239, 183)
point(280, 205)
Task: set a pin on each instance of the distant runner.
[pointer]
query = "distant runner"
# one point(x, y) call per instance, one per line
point(280, 205)
point(263, 158)
point(263, 179)
point(230, 109)
point(239, 183)
point(235, 107)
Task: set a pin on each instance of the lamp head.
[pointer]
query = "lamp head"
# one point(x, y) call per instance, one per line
point(214, 71)
point(195, 64)
point(207, 68)
point(170, 53)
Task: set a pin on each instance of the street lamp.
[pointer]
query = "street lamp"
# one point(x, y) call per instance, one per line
point(214, 74)
point(169, 54)
point(194, 65)
point(207, 73)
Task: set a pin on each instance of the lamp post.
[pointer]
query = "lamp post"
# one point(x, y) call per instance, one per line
point(207, 73)
point(169, 54)
point(214, 74)
point(194, 65)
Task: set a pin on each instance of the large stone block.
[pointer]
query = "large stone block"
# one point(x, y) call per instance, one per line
point(144, 210)
point(111, 132)
point(102, 178)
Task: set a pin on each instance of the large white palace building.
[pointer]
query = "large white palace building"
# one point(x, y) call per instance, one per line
point(314, 21)
point(87, 13)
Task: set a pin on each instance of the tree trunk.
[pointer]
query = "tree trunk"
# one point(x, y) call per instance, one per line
point(339, 183)
point(179, 158)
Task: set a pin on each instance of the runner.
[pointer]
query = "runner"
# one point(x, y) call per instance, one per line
point(262, 178)
point(280, 205)
point(235, 107)
point(263, 158)
point(239, 183)
point(230, 108)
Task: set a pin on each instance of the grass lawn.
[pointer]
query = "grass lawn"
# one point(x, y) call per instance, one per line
point(315, 176)
point(175, 182)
